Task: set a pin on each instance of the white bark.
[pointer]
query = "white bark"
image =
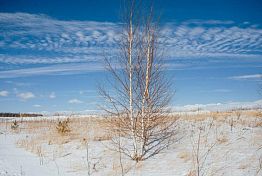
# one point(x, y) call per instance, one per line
point(130, 52)
point(146, 89)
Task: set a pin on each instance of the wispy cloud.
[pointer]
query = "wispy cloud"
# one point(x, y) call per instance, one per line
point(37, 106)
point(20, 84)
point(217, 91)
point(219, 106)
point(62, 69)
point(42, 33)
point(212, 40)
point(26, 95)
point(75, 101)
point(35, 59)
point(247, 77)
point(4, 93)
point(52, 95)
point(221, 90)
point(43, 40)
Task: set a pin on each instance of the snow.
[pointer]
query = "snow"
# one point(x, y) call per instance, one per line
point(236, 152)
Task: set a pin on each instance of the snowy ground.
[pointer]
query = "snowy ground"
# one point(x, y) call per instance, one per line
point(36, 148)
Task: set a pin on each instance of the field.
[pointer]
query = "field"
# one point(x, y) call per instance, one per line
point(206, 143)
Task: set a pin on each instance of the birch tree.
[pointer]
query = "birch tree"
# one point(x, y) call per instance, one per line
point(138, 106)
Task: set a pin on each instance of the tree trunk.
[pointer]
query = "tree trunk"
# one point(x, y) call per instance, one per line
point(130, 38)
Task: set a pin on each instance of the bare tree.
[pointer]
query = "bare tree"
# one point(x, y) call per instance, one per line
point(141, 91)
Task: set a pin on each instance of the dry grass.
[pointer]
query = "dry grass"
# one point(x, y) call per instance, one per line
point(43, 134)
point(184, 155)
point(217, 116)
point(85, 129)
point(222, 139)
point(243, 166)
point(102, 138)
point(251, 118)
point(14, 125)
point(258, 123)
point(32, 146)
point(63, 126)
point(192, 173)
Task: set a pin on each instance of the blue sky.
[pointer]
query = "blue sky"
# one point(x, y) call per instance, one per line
point(51, 51)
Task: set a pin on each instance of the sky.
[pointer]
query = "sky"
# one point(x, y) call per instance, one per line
point(51, 52)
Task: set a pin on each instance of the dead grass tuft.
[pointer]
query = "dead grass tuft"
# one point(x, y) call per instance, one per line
point(63, 126)
point(14, 125)
point(184, 155)
point(243, 166)
point(258, 123)
point(222, 139)
point(192, 173)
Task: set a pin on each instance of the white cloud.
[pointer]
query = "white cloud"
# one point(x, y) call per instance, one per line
point(26, 95)
point(221, 90)
point(75, 101)
point(216, 91)
point(28, 59)
point(4, 93)
point(52, 95)
point(37, 106)
point(73, 47)
point(62, 69)
point(247, 77)
point(214, 40)
point(80, 41)
point(218, 106)
point(42, 33)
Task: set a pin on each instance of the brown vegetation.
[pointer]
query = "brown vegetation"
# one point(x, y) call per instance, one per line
point(63, 126)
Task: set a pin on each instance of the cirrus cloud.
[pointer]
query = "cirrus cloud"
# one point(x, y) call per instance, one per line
point(26, 95)
point(63, 39)
point(4, 93)
point(52, 95)
point(46, 42)
point(247, 77)
point(75, 101)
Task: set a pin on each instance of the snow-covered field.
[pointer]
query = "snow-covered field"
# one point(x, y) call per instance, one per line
point(230, 144)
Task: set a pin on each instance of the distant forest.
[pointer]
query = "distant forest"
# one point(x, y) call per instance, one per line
point(7, 114)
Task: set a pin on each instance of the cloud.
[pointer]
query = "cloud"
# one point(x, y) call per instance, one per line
point(218, 106)
point(74, 101)
point(221, 90)
point(42, 40)
point(43, 34)
point(212, 40)
point(19, 84)
point(37, 106)
point(62, 69)
point(247, 77)
point(34, 59)
point(52, 95)
point(4, 93)
point(217, 91)
point(26, 95)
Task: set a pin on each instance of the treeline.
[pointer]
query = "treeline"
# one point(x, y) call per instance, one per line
point(7, 114)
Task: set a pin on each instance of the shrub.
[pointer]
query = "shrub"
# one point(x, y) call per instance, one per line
point(63, 126)
point(14, 125)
